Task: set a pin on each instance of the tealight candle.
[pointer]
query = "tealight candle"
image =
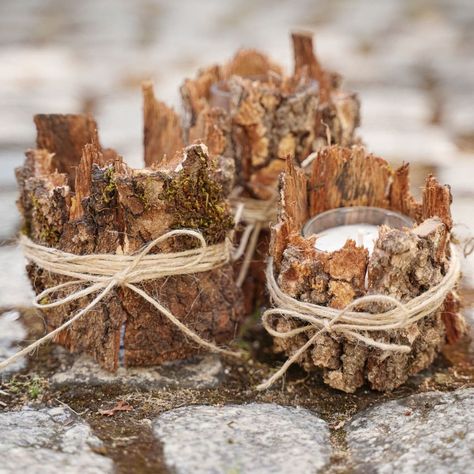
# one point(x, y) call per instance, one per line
point(333, 239)
point(361, 224)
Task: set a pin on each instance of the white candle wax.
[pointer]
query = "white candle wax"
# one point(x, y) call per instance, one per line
point(334, 238)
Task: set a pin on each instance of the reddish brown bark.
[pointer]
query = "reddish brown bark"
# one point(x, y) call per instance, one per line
point(162, 133)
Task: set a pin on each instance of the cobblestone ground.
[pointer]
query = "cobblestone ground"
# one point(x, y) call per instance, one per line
point(411, 63)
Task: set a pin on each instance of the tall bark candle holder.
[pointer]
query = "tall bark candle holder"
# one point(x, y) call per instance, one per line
point(249, 111)
point(79, 198)
point(406, 262)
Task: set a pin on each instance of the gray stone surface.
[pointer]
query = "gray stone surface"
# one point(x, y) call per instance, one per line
point(204, 372)
point(405, 145)
point(464, 225)
point(15, 289)
point(10, 159)
point(460, 179)
point(428, 433)
point(254, 438)
point(68, 56)
point(11, 332)
point(10, 217)
point(48, 441)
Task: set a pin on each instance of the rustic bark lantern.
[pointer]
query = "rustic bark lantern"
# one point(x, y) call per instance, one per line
point(79, 198)
point(251, 112)
point(410, 263)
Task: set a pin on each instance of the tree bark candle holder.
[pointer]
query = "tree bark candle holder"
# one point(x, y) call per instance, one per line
point(409, 267)
point(79, 198)
point(266, 116)
point(249, 111)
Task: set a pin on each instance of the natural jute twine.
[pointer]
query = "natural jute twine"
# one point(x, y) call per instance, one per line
point(256, 214)
point(349, 323)
point(101, 273)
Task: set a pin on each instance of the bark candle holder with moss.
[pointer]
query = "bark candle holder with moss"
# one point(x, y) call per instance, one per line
point(78, 199)
point(354, 317)
point(248, 110)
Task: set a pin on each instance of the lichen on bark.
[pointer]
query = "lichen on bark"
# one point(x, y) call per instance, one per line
point(196, 198)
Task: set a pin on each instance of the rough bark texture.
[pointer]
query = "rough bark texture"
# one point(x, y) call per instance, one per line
point(64, 135)
point(162, 134)
point(249, 111)
point(404, 264)
point(269, 115)
point(261, 117)
point(116, 209)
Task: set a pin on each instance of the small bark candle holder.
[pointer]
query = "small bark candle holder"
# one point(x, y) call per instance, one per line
point(266, 115)
point(251, 113)
point(79, 198)
point(343, 187)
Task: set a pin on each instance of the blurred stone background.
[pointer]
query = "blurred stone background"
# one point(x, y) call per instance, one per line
point(410, 61)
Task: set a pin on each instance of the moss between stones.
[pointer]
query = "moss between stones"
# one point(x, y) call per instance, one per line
point(128, 438)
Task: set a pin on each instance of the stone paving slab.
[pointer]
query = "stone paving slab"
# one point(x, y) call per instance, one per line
point(15, 289)
point(428, 433)
point(10, 218)
point(458, 171)
point(9, 159)
point(406, 145)
point(256, 438)
point(48, 441)
point(11, 333)
point(199, 373)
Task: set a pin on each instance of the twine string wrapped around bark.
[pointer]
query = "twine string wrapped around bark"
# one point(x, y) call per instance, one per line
point(353, 324)
point(256, 214)
point(101, 273)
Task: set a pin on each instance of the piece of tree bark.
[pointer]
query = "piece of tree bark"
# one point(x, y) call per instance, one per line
point(404, 264)
point(64, 136)
point(162, 134)
point(272, 116)
point(116, 209)
point(250, 111)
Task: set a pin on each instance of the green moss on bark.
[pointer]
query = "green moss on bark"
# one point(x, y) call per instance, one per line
point(197, 201)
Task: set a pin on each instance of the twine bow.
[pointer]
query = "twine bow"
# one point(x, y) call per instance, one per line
point(101, 273)
point(350, 323)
